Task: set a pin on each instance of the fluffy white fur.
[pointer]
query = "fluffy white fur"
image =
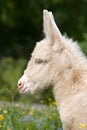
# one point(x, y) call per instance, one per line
point(58, 61)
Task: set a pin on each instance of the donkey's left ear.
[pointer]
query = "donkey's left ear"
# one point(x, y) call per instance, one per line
point(55, 30)
point(50, 28)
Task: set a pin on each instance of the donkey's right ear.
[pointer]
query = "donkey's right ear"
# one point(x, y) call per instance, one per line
point(47, 24)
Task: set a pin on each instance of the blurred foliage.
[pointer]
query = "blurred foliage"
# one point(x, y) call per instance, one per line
point(10, 71)
point(21, 23)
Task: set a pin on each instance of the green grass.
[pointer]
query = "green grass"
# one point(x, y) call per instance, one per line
point(34, 117)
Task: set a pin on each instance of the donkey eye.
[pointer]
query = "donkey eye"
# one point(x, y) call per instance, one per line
point(38, 61)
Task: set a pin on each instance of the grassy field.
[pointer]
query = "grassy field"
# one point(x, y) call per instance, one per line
point(34, 117)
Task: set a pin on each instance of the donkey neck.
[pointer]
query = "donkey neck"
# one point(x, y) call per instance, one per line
point(69, 83)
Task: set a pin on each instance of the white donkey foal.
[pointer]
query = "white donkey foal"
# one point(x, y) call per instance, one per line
point(58, 61)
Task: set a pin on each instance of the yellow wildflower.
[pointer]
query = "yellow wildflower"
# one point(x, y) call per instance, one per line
point(17, 104)
point(54, 103)
point(42, 101)
point(50, 117)
point(0, 109)
point(23, 112)
point(31, 108)
point(31, 113)
point(82, 125)
point(1, 117)
point(5, 111)
point(8, 129)
point(49, 99)
point(0, 126)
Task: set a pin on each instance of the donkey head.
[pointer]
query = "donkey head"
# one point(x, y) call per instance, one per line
point(43, 67)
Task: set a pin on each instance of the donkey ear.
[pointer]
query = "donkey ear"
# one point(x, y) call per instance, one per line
point(47, 24)
point(50, 28)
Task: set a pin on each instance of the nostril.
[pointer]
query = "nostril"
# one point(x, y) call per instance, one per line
point(20, 85)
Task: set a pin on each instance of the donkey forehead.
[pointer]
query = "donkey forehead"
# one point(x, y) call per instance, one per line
point(42, 48)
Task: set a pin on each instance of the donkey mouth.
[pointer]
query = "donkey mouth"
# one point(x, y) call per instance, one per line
point(27, 87)
point(24, 90)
